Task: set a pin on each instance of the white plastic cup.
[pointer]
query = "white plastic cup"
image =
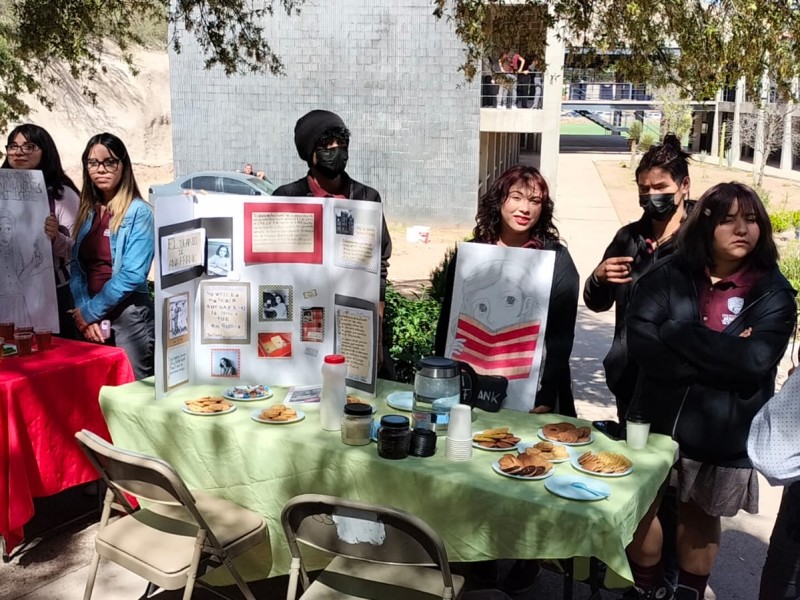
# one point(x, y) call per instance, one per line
point(460, 427)
point(636, 434)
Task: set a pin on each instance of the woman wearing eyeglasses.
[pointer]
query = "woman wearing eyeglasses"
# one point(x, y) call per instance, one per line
point(31, 147)
point(113, 250)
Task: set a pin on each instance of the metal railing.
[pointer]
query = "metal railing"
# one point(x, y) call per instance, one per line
point(607, 91)
point(512, 90)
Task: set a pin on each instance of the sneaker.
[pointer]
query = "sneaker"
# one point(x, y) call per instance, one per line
point(663, 592)
point(501, 108)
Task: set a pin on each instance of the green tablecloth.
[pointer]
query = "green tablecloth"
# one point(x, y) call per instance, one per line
point(479, 514)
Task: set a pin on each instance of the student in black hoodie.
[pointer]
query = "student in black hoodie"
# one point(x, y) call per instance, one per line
point(323, 141)
point(663, 181)
point(707, 327)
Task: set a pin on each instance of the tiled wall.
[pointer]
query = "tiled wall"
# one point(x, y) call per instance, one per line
point(387, 67)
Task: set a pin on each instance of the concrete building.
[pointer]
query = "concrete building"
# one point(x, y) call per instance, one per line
point(419, 134)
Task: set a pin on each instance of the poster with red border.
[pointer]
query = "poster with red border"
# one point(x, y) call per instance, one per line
point(283, 225)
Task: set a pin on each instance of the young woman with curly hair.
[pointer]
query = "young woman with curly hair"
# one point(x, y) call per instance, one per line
point(517, 212)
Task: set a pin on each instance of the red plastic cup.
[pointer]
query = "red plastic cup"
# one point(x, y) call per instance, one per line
point(24, 343)
point(44, 339)
point(7, 330)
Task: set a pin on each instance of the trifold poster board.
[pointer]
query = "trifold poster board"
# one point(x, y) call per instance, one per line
point(254, 290)
point(27, 283)
point(499, 313)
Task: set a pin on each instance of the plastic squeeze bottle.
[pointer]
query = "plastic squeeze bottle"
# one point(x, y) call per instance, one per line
point(334, 392)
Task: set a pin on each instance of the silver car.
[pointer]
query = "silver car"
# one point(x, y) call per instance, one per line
point(217, 182)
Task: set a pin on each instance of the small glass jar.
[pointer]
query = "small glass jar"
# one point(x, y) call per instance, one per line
point(356, 424)
point(394, 436)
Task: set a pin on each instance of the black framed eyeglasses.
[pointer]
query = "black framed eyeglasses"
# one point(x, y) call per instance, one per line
point(28, 148)
point(110, 164)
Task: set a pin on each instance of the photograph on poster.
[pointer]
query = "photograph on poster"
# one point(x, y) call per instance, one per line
point(225, 312)
point(27, 286)
point(345, 222)
point(176, 365)
point(220, 258)
point(312, 324)
point(275, 303)
point(275, 345)
point(359, 249)
point(177, 326)
point(225, 362)
point(279, 232)
point(182, 251)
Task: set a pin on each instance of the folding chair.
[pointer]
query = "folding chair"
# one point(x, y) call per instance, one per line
point(381, 552)
point(178, 534)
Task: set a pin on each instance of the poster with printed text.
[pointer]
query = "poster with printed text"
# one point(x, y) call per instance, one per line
point(499, 313)
point(27, 284)
point(225, 312)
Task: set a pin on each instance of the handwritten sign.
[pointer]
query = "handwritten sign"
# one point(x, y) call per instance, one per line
point(354, 336)
point(283, 232)
point(225, 313)
point(183, 251)
point(177, 365)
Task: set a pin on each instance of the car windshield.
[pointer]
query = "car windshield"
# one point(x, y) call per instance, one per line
point(265, 185)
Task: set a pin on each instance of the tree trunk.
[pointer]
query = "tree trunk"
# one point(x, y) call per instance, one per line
point(634, 145)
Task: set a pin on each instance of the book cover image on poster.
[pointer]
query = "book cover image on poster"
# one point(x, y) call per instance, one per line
point(508, 352)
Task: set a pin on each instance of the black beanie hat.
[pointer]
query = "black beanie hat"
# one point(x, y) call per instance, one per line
point(311, 127)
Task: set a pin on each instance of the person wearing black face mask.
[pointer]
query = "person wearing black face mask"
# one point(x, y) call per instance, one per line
point(323, 142)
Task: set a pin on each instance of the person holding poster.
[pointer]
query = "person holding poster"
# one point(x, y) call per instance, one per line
point(114, 247)
point(323, 141)
point(31, 147)
point(517, 211)
point(707, 327)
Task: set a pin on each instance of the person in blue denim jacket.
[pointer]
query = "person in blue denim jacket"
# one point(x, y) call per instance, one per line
point(114, 246)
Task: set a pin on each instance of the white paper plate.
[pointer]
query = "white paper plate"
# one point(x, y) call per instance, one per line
point(522, 446)
point(541, 434)
point(562, 485)
point(574, 455)
point(229, 394)
point(255, 416)
point(186, 409)
point(401, 400)
point(496, 468)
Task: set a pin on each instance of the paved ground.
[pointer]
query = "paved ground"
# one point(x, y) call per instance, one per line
point(587, 220)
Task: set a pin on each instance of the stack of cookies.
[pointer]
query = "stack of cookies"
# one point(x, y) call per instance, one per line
point(278, 412)
point(567, 433)
point(605, 462)
point(524, 465)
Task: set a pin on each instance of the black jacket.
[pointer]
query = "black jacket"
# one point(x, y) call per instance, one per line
point(358, 191)
point(701, 386)
point(630, 240)
point(556, 381)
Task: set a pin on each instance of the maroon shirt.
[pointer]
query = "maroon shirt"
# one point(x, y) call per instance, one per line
point(95, 252)
point(721, 302)
point(320, 192)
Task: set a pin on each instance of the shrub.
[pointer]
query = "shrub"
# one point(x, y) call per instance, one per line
point(790, 263)
point(413, 322)
point(439, 276)
point(763, 194)
point(648, 141)
point(782, 220)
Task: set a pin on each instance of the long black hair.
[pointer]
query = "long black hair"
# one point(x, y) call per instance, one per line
point(50, 165)
point(695, 242)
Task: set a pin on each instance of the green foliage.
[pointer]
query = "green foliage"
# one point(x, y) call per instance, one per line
point(763, 195)
point(413, 322)
point(784, 220)
point(439, 276)
point(790, 263)
point(648, 141)
point(635, 132)
point(36, 37)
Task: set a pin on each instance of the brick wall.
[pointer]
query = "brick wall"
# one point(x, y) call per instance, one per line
point(387, 67)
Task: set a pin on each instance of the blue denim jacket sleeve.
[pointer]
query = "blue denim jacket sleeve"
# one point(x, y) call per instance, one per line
point(132, 249)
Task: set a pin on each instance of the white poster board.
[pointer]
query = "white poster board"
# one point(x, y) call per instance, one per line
point(27, 283)
point(282, 282)
point(499, 313)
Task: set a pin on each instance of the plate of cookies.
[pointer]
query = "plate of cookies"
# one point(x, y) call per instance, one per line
point(248, 393)
point(278, 414)
point(209, 406)
point(555, 453)
point(523, 466)
point(567, 434)
point(495, 440)
point(602, 464)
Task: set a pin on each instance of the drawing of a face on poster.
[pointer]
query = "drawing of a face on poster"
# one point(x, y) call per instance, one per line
point(498, 315)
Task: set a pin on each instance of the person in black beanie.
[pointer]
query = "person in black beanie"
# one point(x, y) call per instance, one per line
point(323, 141)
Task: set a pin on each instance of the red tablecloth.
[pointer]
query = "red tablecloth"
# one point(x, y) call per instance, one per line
point(44, 399)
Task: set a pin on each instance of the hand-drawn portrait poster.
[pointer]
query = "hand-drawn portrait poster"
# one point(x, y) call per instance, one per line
point(27, 283)
point(498, 315)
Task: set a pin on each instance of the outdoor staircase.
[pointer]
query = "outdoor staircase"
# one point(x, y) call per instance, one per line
point(602, 122)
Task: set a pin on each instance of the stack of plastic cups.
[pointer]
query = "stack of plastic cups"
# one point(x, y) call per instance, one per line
point(458, 443)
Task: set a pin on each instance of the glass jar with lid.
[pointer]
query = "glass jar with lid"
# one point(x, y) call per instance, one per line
point(356, 424)
point(394, 436)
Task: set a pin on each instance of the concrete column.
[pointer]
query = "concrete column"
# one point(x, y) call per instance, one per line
point(736, 136)
point(760, 150)
point(787, 150)
point(697, 131)
point(717, 123)
point(551, 108)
